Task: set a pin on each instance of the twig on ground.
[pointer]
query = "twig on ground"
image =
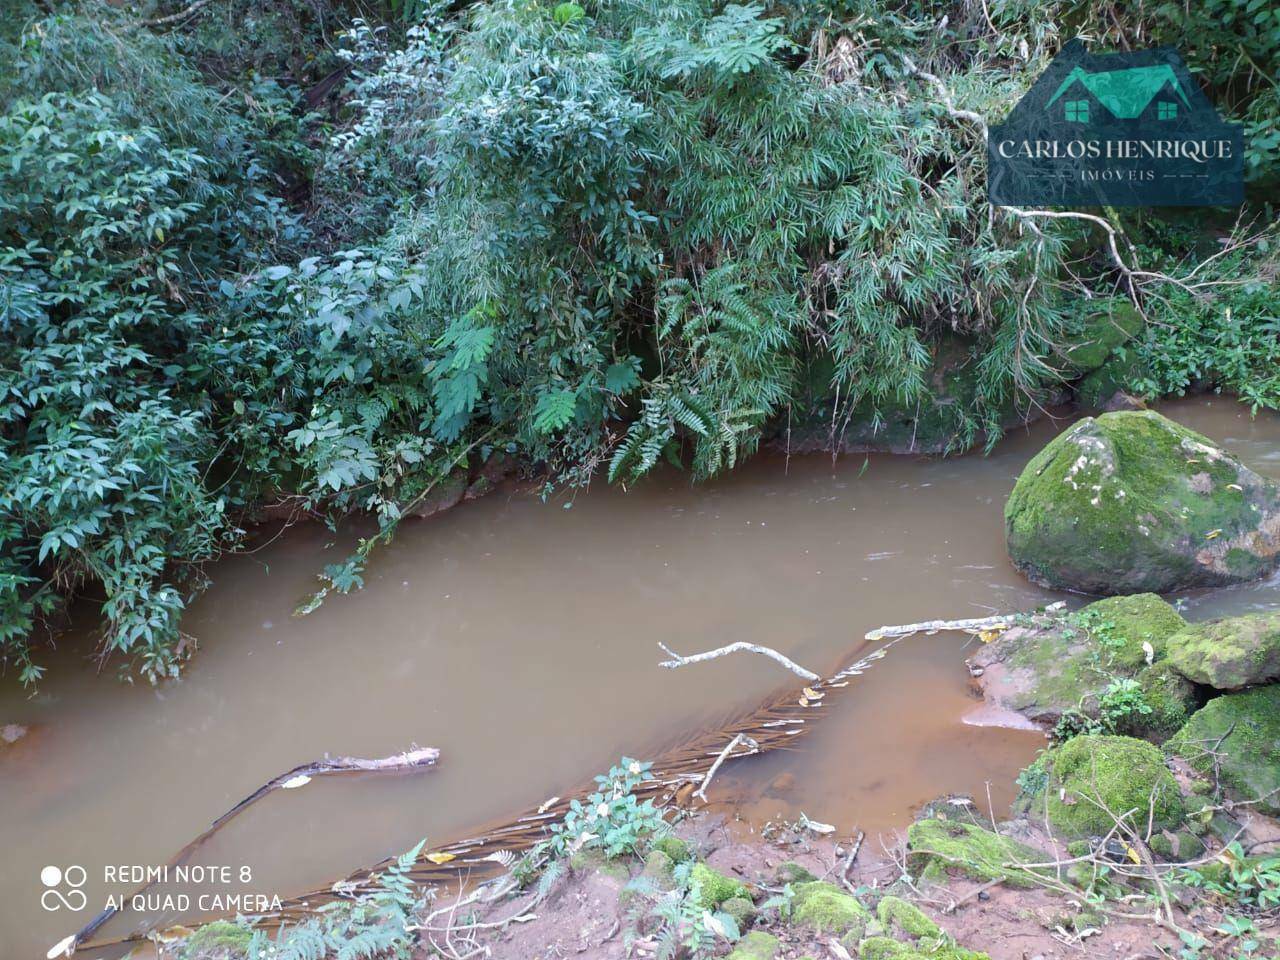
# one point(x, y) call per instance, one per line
point(848, 862)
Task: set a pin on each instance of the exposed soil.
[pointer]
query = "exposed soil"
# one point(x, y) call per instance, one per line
point(582, 918)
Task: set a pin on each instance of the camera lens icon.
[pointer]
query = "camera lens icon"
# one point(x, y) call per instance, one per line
point(54, 879)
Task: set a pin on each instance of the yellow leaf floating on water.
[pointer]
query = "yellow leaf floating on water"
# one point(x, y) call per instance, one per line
point(441, 857)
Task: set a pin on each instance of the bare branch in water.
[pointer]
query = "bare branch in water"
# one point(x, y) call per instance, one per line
point(739, 647)
point(739, 738)
point(933, 626)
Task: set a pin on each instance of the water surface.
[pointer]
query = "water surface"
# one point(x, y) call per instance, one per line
point(520, 637)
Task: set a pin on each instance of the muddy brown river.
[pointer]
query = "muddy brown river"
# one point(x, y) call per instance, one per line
point(520, 637)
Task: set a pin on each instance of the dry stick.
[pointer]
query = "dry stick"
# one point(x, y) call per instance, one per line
point(739, 647)
point(752, 747)
point(933, 626)
point(175, 17)
point(413, 759)
point(848, 862)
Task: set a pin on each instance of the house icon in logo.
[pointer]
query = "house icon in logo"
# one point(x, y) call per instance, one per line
point(1136, 94)
point(1121, 129)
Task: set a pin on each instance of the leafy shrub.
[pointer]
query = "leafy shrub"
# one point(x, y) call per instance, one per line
point(612, 820)
point(596, 236)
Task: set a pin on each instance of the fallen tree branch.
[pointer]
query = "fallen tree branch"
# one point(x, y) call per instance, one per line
point(740, 647)
point(414, 759)
point(933, 626)
point(752, 747)
point(175, 17)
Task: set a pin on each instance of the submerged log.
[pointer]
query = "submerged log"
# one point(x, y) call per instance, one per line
point(414, 759)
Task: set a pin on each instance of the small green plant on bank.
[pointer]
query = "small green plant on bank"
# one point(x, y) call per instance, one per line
point(378, 924)
point(1250, 884)
point(1122, 704)
point(611, 819)
point(373, 925)
point(782, 902)
point(678, 918)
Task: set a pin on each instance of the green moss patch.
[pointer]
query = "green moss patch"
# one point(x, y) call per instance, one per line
point(1171, 698)
point(219, 940)
point(937, 848)
point(1243, 731)
point(1100, 333)
point(1090, 781)
point(885, 948)
point(756, 945)
point(1229, 654)
point(825, 908)
point(678, 850)
point(1124, 624)
point(904, 919)
point(714, 888)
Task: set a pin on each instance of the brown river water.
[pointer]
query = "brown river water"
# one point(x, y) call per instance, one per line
point(520, 638)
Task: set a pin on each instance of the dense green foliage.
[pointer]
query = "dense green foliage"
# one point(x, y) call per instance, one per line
point(288, 251)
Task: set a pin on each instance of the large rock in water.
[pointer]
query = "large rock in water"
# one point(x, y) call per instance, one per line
point(1132, 502)
point(1229, 654)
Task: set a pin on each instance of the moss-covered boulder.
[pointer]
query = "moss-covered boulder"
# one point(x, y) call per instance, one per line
point(938, 847)
point(1088, 782)
point(1072, 666)
point(1101, 388)
point(1090, 345)
point(1169, 699)
point(659, 869)
point(822, 907)
point(594, 861)
point(1132, 502)
point(791, 872)
point(910, 935)
point(674, 847)
point(756, 945)
point(1229, 654)
point(1239, 735)
point(905, 921)
point(714, 888)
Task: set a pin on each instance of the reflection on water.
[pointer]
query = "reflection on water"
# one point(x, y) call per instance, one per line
point(520, 638)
